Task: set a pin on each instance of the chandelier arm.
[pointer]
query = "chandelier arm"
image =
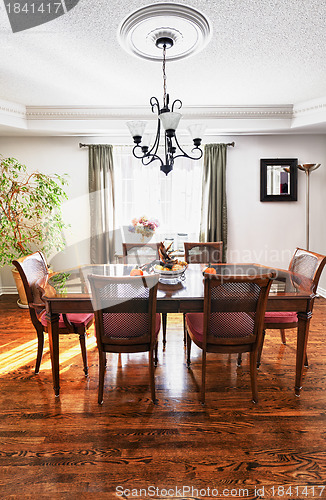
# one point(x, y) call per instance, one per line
point(177, 103)
point(186, 155)
point(150, 158)
point(134, 152)
point(155, 104)
point(154, 148)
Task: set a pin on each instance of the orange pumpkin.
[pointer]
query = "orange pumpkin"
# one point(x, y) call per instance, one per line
point(136, 272)
point(210, 270)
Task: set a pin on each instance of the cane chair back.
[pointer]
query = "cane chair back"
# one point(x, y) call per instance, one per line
point(234, 309)
point(125, 308)
point(140, 253)
point(204, 253)
point(309, 265)
point(31, 269)
point(125, 318)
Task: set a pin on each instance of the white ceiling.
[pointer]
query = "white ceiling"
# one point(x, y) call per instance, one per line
point(262, 53)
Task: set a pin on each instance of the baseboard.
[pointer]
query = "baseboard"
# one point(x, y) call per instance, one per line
point(8, 290)
point(321, 292)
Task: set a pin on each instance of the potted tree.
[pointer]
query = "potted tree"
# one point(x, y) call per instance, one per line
point(30, 214)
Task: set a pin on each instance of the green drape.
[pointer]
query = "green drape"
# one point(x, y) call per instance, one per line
point(213, 226)
point(102, 205)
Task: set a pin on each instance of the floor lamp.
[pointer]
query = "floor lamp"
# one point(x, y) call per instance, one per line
point(307, 168)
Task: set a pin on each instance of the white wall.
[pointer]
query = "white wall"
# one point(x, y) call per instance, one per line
point(58, 155)
point(258, 232)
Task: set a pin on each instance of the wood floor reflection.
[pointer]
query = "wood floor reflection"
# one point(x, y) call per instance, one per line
point(70, 447)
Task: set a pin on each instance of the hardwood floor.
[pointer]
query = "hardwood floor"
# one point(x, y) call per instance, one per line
point(70, 447)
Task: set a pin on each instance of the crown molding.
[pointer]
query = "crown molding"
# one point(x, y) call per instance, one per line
point(142, 112)
point(312, 106)
point(12, 108)
point(309, 113)
point(307, 117)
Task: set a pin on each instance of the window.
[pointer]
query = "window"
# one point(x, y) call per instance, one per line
point(174, 200)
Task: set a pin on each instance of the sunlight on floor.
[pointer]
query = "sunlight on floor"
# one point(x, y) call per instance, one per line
point(67, 355)
point(25, 354)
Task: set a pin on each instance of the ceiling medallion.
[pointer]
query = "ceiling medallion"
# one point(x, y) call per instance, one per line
point(189, 29)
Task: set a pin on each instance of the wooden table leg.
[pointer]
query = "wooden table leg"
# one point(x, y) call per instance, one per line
point(302, 340)
point(53, 331)
point(164, 319)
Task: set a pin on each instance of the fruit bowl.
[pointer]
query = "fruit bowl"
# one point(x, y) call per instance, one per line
point(170, 276)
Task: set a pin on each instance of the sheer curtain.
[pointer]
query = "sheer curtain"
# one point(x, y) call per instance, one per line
point(174, 200)
point(213, 226)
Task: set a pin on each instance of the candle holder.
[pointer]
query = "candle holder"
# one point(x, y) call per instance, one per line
point(307, 168)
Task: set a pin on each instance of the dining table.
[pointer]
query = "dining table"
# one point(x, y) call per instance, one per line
point(68, 291)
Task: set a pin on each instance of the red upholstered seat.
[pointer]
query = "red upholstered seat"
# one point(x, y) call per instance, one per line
point(74, 318)
point(280, 317)
point(195, 323)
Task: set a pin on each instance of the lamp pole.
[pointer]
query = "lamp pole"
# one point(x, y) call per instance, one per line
point(307, 168)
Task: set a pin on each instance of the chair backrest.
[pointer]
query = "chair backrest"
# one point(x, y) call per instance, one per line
point(234, 308)
point(140, 253)
point(309, 265)
point(124, 308)
point(204, 253)
point(31, 269)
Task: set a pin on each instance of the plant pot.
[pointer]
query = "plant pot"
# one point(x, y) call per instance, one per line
point(22, 301)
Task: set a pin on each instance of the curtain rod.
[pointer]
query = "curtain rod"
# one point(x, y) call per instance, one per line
point(81, 145)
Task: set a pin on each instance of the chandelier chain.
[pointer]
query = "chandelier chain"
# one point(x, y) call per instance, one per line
point(164, 77)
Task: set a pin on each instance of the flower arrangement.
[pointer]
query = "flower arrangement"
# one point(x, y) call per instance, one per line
point(144, 226)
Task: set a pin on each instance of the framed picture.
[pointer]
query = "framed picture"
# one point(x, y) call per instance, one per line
point(278, 179)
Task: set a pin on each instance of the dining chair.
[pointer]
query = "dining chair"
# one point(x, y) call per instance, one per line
point(204, 253)
point(232, 321)
point(143, 253)
point(209, 252)
point(125, 319)
point(140, 253)
point(306, 267)
point(33, 270)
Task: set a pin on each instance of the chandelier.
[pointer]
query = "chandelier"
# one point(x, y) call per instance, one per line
point(168, 119)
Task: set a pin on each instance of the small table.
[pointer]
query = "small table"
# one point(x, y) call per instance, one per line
point(69, 293)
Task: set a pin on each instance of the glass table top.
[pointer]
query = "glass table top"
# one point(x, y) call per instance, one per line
point(75, 281)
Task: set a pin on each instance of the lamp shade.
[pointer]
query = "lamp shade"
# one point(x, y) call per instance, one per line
point(170, 120)
point(146, 140)
point(196, 130)
point(136, 127)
